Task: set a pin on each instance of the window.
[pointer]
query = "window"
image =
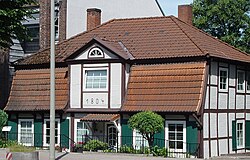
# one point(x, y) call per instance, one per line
point(95, 53)
point(139, 141)
point(223, 78)
point(176, 136)
point(240, 134)
point(47, 132)
point(26, 132)
point(80, 130)
point(240, 80)
point(248, 81)
point(96, 79)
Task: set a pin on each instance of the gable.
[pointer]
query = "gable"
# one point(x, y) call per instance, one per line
point(96, 51)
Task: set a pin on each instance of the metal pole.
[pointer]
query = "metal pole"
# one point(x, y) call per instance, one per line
point(52, 81)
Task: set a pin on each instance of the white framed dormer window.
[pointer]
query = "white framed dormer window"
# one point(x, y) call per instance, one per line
point(26, 130)
point(223, 81)
point(46, 131)
point(176, 136)
point(96, 79)
point(240, 81)
point(248, 81)
point(240, 137)
point(95, 52)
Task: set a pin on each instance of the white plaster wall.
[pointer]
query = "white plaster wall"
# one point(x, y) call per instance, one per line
point(213, 97)
point(222, 125)
point(205, 125)
point(75, 86)
point(223, 146)
point(223, 100)
point(213, 125)
point(107, 54)
point(231, 118)
point(214, 71)
point(207, 98)
point(240, 115)
point(231, 98)
point(247, 101)
point(240, 101)
point(116, 82)
point(230, 146)
point(206, 149)
point(214, 148)
point(77, 11)
point(95, 65)
point(232, 75)
point(247, 116)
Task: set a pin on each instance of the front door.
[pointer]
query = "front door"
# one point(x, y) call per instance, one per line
point(112, 136)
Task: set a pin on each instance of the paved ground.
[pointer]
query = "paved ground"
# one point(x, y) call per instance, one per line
point(44, 155)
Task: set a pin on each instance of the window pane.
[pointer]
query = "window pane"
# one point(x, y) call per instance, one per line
point(241, 77)
point(96, 79)
point(179, 136)
point(171, 127)
point(223, 79)
point(248, 80)
point(171, 136)
point(179, 145)
point(179, 127)
point(171, 144)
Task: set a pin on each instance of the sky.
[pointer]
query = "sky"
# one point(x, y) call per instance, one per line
point(170, 7)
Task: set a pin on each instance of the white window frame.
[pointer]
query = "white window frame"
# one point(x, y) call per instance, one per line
point(95, 56)
point(44, 132)
point(243, 130)
point(248, 81)
point(244, 81)
point(32, 132)
point(184, 135)
point(223, 89)
point(85, 79)
point(75, 129)
point(134, 140)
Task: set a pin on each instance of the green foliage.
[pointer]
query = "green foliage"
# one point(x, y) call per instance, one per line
point(228, 20)
point(21, 148)
point(12, 13)
point(147, 124)
point(3, 119)
point(95, 145)
point(157, 151)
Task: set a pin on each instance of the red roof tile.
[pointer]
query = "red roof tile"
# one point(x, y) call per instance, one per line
point(100, 117)
point(165, 87)
point(159, 37)
point(31, 90)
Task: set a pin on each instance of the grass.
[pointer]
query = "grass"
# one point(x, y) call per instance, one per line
point(21, 148)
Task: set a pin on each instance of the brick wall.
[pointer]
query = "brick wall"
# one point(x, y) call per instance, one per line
point(62, 20)
point(93, 18)
point(185, 13)
point(44, 24)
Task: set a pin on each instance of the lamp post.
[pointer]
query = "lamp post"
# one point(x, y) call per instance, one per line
point(52, 82)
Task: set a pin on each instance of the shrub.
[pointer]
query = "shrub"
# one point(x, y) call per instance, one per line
point(15, 147)
point(157, 151)
point(95, 145)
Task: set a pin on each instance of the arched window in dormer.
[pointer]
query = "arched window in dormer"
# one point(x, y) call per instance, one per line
point(96, 52)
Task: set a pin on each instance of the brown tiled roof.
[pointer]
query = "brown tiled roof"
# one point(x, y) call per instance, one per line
point(100, 117)
point(165, 87)
point(159, 37)
point(31, 90)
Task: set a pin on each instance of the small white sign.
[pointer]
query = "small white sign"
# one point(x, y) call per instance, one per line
point(6, 128)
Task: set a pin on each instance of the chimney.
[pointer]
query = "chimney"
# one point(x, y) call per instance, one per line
point(185, 13)
point(93, 18)
point(44, 24)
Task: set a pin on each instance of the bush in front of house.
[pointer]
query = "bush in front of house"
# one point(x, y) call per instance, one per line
point(94, 145)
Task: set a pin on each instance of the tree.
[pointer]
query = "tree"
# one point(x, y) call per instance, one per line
point(12, 13)
point(3, 119)
point(228, 20)
point(147, 124)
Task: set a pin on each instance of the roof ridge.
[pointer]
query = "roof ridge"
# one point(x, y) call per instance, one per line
point(143, 18)
point(213, 37)
point(187, 35)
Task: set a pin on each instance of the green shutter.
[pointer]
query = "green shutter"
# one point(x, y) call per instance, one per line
point(64, 141)
point(38, 132)
point(159, 139)
point(127, 134)
point(191, 137)
point(234, 135)
point(12, 135)
point(247, 135)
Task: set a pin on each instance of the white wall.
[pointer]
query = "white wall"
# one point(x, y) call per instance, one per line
point(77, 11)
